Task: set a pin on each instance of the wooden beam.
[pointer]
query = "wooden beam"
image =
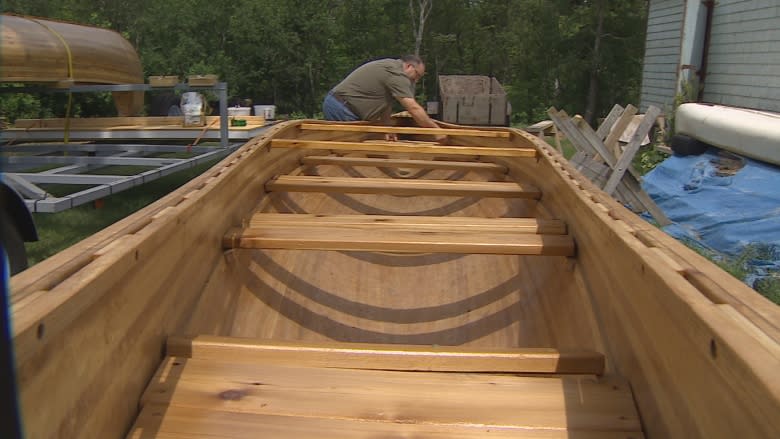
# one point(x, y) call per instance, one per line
point(392, 186)
point(412, 223)
point(404, 147)
point(388, 356)
point(586, 140)
point(606, 125)
point(403, 163)
point(583, 135)
point(611, 141)
point(394, 240)
point(624, 163)
point(405, 130)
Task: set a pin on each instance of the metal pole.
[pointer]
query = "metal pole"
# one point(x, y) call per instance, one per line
point(223, 119)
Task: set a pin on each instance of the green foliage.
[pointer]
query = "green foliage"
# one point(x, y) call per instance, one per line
point(689, 93)
point(19, 106)
point(648, 158)
point(290, 53)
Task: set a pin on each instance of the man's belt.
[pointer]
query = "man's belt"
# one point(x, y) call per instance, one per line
point(343, 101)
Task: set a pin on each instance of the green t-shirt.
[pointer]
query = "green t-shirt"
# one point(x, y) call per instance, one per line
point(371, 89)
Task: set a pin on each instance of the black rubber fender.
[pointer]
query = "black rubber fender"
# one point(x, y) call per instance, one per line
point(12, 244)
point(16, 227)
point(683, 145)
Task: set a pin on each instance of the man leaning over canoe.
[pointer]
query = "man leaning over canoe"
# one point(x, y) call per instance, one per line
point(369, 91)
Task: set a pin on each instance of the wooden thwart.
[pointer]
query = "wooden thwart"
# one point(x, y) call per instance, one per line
point(388, 356)
point(404, 147)
point(197, 395)
point(412, 223)
point(325, 237)
point(403, 163)
point(406, 130)
point(179, 422)
point(299, 183)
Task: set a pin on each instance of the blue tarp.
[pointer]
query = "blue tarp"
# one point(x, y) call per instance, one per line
point(722, 213)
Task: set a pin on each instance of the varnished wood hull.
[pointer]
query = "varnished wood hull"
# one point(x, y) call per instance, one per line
point(36, 50)
point(222, 257)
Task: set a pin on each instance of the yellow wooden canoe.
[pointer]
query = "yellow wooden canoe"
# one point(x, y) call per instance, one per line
point(44, 51)
point(321, 282)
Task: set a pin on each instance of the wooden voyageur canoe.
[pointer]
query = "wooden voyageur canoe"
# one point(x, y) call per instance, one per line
point(58, 53)
point(321, 282)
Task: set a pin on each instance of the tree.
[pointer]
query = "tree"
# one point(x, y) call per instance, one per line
point(593, 84)
point(419, 10)
point(581, 55)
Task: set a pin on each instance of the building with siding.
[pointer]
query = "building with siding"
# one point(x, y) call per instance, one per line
point(730, 48)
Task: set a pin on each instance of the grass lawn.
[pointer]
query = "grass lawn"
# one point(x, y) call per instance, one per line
point(57, 231)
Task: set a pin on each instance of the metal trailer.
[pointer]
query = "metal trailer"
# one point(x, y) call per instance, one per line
point(75, 163)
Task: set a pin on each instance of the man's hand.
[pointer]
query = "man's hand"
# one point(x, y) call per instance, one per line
point(442, 140)
point(391, 137)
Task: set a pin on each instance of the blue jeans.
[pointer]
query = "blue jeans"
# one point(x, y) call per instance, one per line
point(333, 109)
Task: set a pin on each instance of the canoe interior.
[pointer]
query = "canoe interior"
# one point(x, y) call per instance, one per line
point(498, 291)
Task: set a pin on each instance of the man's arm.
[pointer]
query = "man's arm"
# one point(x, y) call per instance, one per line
point(420, 116)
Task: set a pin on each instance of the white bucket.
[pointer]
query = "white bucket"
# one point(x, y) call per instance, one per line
point(239, 111)
point(267, 111)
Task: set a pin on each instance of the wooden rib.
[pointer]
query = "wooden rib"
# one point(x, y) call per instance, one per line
point(406, 130)
point(428, 398)
point(413, 223)
point(403, 241)
point(404, 147)
point(388, 356)
point(350, 185)
point(400, 163)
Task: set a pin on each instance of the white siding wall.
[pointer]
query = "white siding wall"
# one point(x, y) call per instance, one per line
point(743, 69)
point(662, 53)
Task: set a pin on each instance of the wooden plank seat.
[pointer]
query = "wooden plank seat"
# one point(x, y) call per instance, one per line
point(403, 163)
point(405, 147)
point(375, 356)
point(226, 389)
point(304, 183)
point(407, 222)
point(429, 235)
point(359, 128)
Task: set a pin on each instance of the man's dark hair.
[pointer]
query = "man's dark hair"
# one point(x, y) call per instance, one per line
point(412, 59)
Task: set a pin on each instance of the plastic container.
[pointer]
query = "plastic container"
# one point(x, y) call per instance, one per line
point(192, 108)
point(267, 111)
point(239, 111)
